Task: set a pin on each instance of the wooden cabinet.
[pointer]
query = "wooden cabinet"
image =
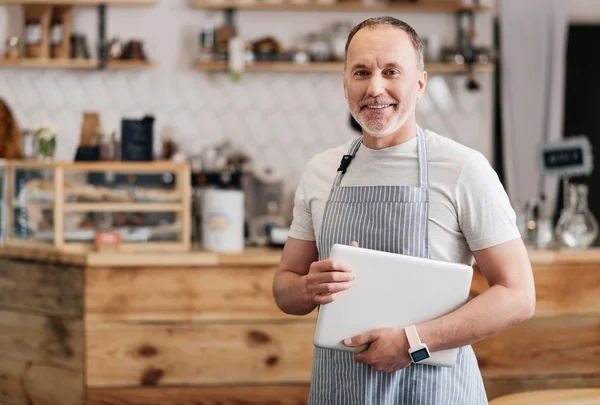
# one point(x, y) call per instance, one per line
point(202, 328)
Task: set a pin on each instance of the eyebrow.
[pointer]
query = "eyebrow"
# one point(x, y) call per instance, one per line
point(386, 66)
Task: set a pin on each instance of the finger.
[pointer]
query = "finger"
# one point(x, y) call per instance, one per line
point(354, 243)
point(332, 265)
point(323, 299)
point(362, 357)
point(361, 339)
point(333, 277)
point(331, 288)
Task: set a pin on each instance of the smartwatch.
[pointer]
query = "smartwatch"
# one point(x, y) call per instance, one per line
point(418, 350)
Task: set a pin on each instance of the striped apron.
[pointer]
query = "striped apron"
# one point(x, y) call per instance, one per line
point(392, 219)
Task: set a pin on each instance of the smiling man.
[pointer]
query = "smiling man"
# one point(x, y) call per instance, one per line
point(401, 189)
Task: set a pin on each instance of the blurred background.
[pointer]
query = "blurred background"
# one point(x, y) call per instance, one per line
point(149, 134)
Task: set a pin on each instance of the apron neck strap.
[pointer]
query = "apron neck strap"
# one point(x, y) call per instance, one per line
point(421, 150)
point(346, 161)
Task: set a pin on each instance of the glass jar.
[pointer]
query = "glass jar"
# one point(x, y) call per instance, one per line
point(33, 38)
point(577, 227)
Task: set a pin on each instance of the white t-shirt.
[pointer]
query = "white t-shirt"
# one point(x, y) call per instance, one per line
point(468, 210)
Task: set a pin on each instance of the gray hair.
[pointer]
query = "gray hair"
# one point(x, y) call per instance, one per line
point(393, 22)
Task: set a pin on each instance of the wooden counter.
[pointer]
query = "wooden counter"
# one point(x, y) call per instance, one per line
point(202, 328)
point(194, 258)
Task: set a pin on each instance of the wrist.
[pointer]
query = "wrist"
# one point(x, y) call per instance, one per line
point(427, 336)
point(307, 298)
point(417, 349)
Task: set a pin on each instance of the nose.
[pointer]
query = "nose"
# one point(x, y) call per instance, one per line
point(376, 85)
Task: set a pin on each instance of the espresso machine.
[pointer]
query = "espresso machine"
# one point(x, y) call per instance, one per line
point(264, 191)
point(221, 167)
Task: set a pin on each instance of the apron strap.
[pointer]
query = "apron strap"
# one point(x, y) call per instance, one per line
point(422, 150)
point(346, 161)
point(355, 145)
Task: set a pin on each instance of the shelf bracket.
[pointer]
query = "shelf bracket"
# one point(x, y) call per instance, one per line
point(103, 45)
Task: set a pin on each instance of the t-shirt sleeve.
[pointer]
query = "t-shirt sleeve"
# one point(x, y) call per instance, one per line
point(485, 215)
point(302, 224)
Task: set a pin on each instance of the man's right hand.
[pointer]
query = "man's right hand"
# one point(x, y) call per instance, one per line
point(326, 278)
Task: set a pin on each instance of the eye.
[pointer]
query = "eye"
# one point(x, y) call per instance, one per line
point(361, 73)
point(393, 72)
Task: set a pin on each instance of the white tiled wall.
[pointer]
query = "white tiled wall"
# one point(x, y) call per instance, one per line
point(280, 119)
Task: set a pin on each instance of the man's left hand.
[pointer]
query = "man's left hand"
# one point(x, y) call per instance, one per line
point(387, 352)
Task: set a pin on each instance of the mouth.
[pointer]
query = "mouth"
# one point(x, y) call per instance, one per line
point(377, 107)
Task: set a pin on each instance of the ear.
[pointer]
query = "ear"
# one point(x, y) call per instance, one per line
point(345, 88)
point(421, 84)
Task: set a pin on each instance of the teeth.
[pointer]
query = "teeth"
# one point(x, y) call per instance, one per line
point(377, 107)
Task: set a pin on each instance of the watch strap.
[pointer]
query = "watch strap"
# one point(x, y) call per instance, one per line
point(413, 336)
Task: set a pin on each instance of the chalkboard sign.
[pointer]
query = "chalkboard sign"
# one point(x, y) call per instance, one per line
point(568, 158)
point(137, 139)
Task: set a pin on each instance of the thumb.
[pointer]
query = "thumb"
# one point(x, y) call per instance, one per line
point(359, 340)
point(354, 243)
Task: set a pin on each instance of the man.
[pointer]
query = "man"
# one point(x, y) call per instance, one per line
point(405, 191)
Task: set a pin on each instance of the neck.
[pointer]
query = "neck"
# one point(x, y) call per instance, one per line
point(405, 133)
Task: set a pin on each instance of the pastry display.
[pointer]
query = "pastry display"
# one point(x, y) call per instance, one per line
point(156, 195)
point(141, 205)
point(89, 193)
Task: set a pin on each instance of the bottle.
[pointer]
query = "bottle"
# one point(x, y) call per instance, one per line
point(33, 38)
point(577, 227)
point(544, 230)
point(56, 38)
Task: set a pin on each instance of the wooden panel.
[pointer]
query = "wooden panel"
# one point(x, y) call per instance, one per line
point(561, 290)
point(44, 287)
point(125, 355)
point(228, 395)
point(21, 250)
point(181, 294)
point(589, 396)
point(497, 387)
point(42, 339)
point(567, 289)
point(31, 383)
point(543, 346)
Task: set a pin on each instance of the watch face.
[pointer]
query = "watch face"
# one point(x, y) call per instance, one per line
point(420, 355)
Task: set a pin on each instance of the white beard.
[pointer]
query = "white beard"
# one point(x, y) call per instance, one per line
point(393, 125)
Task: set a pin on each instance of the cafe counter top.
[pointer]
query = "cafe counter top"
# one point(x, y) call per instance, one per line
point(194, 258)
point(250, 257)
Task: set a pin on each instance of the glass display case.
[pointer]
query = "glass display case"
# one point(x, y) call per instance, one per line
point(140, 206)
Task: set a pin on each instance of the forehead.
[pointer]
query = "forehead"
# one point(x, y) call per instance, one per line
point(382, 42)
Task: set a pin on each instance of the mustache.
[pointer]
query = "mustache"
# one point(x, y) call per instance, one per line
point(377, 101)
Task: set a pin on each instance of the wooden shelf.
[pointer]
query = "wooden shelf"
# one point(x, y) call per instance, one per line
point(129, 64)
point(72, 64)
point(117, 3)
point(49, 63)
point(433, 6)
point(104, 206)
point(118, 207)
point(327, 67)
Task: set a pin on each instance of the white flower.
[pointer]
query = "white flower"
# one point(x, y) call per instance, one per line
point(46, 131)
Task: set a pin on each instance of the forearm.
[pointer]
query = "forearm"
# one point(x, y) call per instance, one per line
point(488, 314)
point(290, 293)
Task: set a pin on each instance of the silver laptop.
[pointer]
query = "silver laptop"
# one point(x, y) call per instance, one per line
point(391, 290)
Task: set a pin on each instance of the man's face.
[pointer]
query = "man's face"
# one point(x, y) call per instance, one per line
point(382, 82)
